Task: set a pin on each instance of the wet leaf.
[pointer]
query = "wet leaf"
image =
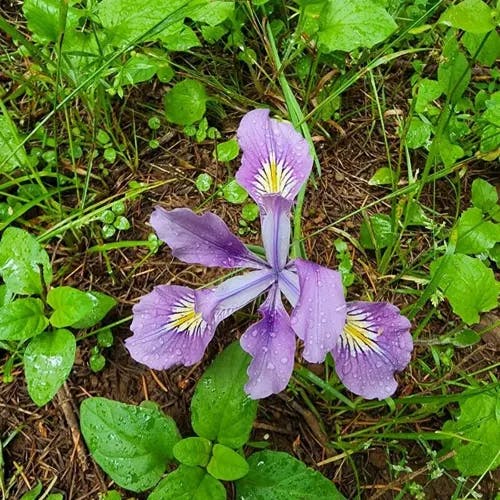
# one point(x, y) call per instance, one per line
point(227, 151)
point(234, 193)
point(473, 16)
point(220, 409)
point(484, 195)
point(185, 102)
point(48, 360)
point(22, 319)
point(226, 464)
point(278, 475)
point(193, 451)
point(131, 443)
point(70, 306)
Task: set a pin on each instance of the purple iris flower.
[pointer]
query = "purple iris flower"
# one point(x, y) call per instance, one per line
point(173, 324)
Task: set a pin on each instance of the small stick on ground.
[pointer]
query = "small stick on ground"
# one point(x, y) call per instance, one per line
point(66, 403)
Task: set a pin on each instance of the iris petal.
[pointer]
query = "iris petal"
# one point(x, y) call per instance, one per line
point(319, 316)
point(375, 343)
point(276, 158)
point(202, 239)
point(271, 343)
point(168, 328)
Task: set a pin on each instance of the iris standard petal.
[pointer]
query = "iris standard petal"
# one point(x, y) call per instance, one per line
point(202, 239)
point(168, 329)
point(271, 343)
point(234, 293)
point(276, 230)
point(276, 158)
point(375, 343)
point(319, 316)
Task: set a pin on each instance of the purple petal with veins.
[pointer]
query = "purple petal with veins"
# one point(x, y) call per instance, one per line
point(375, 343)
point(319, 316)
point(276, 158)
point(271, 343)
point(168, 329)
point(202, 239)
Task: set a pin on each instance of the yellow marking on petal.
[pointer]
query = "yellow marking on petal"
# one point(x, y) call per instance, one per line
point(185, 318)
point(358, 335)
point(357, 332)
point(274, 184)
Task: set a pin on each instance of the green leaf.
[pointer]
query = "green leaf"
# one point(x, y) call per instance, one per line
point(383, 176)
point(376, 232)
point(227, 151)
point(490, 49)
point(70, 306)
point(468, 284)
point(484, 195)
point(185, 102)
point(250, 212)
point(213, 12)
point(22, 319)
point(131, 443)
point(226, 464)
point(276, 475)
point(48, 360)
point(43, 18)
point(33, 493)
point(12, 152)
point(139, 68)
point(418, 133)
point(193, 451)
point(357, 23)
point(454, 72)
point(475, 235)
point(492, 113)
point(449, 152)
point(111, 495)
point(473, 16)
point(427, 91)
point(126, 20)
point(465, 338)
point(234, 193)
point(183, 40)
point(22, 261)
point(122, 223)
point(188, 483)
point(101, 305)
point(478, 426)
point(203, 183)
point(220, 409)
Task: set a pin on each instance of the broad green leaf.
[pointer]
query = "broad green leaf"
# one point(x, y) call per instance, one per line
point(193, 451)
point(417, 216)
point(43, 18)
point(12, 152)
point(203, 183)
point(484, 195)
point(427, 91)
point(489, 51)
point(139, 68)
point(226, 464)
point(22, 319)
point(48, 360)
point(492, 113)
point(111, 495)
point(5, 295)
point(22, 262)
point(213, 12)
point(188, 483)
point(234, 193)
point(479, 427)
point(454, 72)
point(182, 40)
point(125, 21)
point(468, 284)
point(185, 102)
point(101, 305)
point(376, 232)
point(473, 16)
point(418, 133)
point(475, 235)
point(131, 443)
point(227, 151)
point(349, 25)
point(275, 475)
point(383, 176)
point(449, 152)
point(465, 338)
point(220, 409)
point(70, 306)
